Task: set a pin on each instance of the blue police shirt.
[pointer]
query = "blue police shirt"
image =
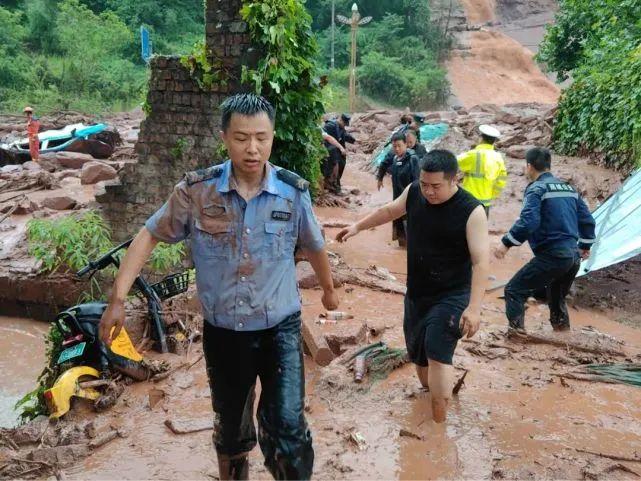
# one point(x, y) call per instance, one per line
point(554, 219)
point(243, 251)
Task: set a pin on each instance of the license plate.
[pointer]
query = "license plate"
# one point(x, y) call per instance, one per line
point(71, 352)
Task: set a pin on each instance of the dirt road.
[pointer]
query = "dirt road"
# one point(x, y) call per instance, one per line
point(514, 418)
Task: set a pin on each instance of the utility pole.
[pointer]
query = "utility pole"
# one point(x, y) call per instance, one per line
point(354, 22)
point(333, 32)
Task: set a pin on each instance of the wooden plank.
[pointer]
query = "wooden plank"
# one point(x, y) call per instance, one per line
point(316, 343)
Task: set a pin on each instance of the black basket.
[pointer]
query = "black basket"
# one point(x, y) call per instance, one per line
point(172, 285)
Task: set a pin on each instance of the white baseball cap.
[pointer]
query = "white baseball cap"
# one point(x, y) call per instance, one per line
point(489, 131)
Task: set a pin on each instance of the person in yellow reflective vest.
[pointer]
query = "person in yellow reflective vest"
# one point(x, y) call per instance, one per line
point(483, 168)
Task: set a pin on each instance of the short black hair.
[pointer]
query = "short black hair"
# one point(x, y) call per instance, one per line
point(540, 158)
point(245, 104)
point(440, 161)
point(411, 131)
point(399, 136)
point(488, 140)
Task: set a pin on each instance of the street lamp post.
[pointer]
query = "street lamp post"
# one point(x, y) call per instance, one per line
point(333, 30)
point(354, 22)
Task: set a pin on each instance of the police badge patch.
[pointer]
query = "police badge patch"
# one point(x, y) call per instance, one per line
point(280, 215)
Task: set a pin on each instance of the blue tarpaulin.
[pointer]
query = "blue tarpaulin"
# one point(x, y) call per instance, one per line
point(429, 134)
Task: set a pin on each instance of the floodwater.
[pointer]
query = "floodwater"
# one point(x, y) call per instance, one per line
point(22, 355)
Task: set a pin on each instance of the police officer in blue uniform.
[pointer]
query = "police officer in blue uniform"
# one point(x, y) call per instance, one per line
point(244, 218)
point(560, 230)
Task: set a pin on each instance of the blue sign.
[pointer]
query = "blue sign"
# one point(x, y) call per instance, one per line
point(145, 42)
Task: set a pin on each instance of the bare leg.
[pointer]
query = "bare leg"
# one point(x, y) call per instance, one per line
point(440, 379)
point(422, 372)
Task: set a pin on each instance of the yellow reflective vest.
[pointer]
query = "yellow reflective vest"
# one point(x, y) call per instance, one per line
point(484, 174)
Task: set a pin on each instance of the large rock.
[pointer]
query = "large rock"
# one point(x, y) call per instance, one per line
point(59, 203)
point(25, 206)
point(518, 151)
point(10, 169)
point(345, 334)
point(31, 165)
point(509, 141)
point(508, 118)
point(95, 171)
point(73, 160)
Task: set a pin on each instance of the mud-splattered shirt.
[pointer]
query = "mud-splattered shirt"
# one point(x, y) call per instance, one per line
point(243, 251)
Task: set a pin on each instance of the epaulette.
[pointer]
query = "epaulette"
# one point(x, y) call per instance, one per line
point(203, 174)
point(292, 179)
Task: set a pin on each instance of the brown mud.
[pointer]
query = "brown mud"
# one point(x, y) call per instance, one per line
point(520, 414)
point(494, 62)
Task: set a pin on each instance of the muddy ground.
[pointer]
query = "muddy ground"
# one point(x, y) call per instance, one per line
point(526, 410)
point(492, 61)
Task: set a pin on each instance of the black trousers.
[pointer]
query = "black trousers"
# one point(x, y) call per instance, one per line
point(553, 271)
point(234, 361)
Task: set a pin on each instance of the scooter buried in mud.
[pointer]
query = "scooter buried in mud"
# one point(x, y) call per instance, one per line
point(85, 359)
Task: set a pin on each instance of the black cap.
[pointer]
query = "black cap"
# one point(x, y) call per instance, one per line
point(419, 117)
point(346, 118)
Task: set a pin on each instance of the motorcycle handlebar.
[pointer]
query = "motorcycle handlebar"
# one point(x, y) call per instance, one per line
point(104, 261)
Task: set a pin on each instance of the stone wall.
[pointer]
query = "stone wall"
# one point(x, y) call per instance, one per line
point(181, 131)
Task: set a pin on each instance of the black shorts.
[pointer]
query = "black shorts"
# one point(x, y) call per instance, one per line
point(431, 326)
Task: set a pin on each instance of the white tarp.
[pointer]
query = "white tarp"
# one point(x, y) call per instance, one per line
point(618, 227)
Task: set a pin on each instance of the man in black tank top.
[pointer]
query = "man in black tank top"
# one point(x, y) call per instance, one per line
point(447, 266)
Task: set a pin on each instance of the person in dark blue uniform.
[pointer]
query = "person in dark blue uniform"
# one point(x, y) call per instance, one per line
point(336, 158)
point(557, 224)
point(404, 167)
point(245, 218)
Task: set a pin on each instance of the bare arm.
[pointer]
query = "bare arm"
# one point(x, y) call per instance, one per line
point(333, 141)
point(479, 245)
point(320, 264)
point(131, 265)
point(385, 214)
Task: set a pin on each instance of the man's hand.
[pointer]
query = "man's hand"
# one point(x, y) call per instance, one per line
point(470, 321)
point(343, 151)
point(330, 300)
point(379, 184)
point(585, 253)
point(114, 316)
point(500, 251)
point(346, 233)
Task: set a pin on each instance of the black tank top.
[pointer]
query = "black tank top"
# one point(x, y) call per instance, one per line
point(438, 258)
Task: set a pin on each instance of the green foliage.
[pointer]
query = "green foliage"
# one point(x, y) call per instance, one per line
point(203, 67)
point(286, 75)
point(403, 38)
point(400, 85)
point(85, 54)
point(71, 242)
point(68, 241)
point(178, 150)
point(598, 44)
point(166, 256)
point(33, 403)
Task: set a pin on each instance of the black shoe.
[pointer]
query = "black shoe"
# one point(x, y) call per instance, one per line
point(561, 327)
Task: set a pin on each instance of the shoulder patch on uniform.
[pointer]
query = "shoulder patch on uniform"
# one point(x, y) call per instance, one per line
point(292, 179)
point(203, 174)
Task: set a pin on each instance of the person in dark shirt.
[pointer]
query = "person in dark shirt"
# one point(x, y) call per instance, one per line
point(413, 143)
point(560, 229)
point(336, 158)
point(447, 266)
point(404, 168)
